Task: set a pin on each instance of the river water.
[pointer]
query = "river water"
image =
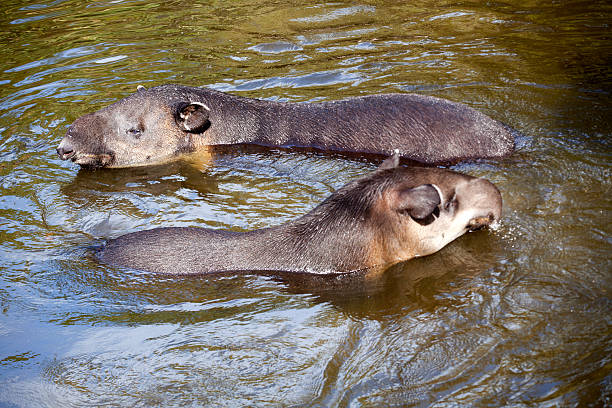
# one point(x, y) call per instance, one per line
point(519, 316)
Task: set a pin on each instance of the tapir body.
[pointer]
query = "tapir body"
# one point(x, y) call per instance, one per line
point(391, 215)
point(160, 124)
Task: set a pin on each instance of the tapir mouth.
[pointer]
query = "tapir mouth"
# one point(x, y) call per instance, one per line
point(90, 160)
point(68, 150)
point(94, 160)
point(480, 222)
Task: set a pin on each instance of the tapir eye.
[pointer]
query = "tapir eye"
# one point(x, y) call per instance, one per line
point(134, 132)
point(451, 204)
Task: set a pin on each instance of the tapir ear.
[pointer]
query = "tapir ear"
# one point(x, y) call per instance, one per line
point(390, 162)
point(419, 202)
point(192, 117)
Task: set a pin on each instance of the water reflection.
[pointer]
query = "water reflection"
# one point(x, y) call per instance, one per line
point(154, 180)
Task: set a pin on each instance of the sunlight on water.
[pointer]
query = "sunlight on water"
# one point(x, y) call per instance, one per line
point(516, 315)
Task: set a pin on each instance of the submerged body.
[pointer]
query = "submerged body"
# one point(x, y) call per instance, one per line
point(391, 215)
point(160, 124)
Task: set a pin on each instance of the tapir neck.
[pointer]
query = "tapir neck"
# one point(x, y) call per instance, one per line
point(238, 120)
point(303, 249)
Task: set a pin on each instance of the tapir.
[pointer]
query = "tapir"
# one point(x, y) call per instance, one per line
point(391, 215)
point(160, 124)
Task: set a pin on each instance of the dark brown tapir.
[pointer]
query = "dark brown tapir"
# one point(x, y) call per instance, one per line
point(160, 124)
point(391, 215)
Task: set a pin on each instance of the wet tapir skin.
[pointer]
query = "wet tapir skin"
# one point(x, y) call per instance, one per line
point(160, 124)
point(391, 215)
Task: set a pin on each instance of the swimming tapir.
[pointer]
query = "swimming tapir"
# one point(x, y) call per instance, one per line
point(156, 125)
point(391, 215)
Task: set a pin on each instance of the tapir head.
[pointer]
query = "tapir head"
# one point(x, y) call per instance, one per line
point(148, 127)
point(424, 209)
point(398, 213)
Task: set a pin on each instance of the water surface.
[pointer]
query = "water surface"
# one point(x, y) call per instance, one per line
point(518, 316)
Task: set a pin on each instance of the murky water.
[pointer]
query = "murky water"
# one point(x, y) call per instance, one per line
point(520, 316)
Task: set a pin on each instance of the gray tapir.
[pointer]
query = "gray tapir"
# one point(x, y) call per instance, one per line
point(391, 215)
point(160, 124)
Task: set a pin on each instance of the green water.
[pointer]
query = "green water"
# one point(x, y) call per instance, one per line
point(518, 316)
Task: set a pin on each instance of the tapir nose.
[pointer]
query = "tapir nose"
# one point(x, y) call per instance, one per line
point(65, 150)
point(486, 202)
point(481, 222)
